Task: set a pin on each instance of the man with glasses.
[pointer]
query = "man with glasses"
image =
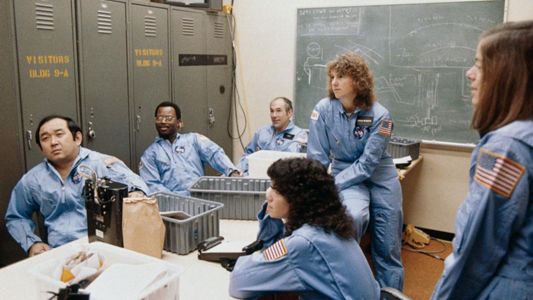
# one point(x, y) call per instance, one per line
point(176, 160)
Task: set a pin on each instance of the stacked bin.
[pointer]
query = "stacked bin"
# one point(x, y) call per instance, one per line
point(400, 147)
point(188, 221)
point(242, 197)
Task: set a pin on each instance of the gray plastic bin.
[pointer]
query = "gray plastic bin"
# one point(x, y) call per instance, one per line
point(188, 221)
point(400, 147)
point(242, 197)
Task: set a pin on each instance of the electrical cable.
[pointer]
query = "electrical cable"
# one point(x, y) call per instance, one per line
point(431, 253)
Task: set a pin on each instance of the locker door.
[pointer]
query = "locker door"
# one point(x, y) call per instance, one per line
point(189, 72)
point(219, 80)
point(151, 70)
point(104, 77)
point(46, 60)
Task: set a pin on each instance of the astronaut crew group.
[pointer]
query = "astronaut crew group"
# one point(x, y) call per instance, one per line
point(313, 219)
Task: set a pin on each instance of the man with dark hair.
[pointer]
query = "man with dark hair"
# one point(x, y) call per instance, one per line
point(176, 160)
point(54, 187)
point(281, 135)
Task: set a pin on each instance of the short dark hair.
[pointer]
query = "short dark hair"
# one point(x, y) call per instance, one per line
point(71, 124)
point(169, 104)
point(288, 103)
point(312, 196)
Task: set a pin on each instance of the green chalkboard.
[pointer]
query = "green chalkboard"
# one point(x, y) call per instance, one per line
point(419, 54)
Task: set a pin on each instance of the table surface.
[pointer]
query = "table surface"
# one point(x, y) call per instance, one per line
point(199, 280)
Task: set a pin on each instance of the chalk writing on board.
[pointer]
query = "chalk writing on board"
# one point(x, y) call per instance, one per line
point(418, 53)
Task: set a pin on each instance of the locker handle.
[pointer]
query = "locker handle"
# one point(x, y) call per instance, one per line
point(138, 123)
point(211, 117)
point(91, 134)
point(29, 138)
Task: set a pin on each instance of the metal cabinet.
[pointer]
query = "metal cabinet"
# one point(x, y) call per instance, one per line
point(103, 63)
point(151, 76)
point(188, 70)
point(201, 50)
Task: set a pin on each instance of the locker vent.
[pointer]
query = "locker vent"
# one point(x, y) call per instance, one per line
point(187, 26)
point(44, 16)
point(219, 30)
point(150, 26)
point(105, 25)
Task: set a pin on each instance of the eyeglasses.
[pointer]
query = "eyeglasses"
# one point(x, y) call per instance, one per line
point(165, 118)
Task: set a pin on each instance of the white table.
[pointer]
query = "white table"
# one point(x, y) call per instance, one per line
point(200, 279)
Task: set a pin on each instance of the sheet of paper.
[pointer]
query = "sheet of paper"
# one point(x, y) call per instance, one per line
point(402, 160)
point(123, 281)
point(228, 246)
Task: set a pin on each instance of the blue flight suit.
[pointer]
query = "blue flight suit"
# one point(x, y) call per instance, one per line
point(174, 167)
point(292, 139)
point(310, 262)
point(355, 146)
point(492, 254)
point(60, 201)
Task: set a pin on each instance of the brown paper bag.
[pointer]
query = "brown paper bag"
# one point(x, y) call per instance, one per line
point(142, 227)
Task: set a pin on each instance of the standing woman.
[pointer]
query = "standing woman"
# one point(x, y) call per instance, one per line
point(492, 254)
point(350, 131)
point(312, 252)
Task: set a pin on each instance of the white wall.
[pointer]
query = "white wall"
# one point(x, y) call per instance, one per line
point(265, 44)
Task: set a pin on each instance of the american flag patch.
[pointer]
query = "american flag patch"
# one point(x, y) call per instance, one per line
point(314, 115)
point(385, 129)
point(498, 173)
point(275, 251)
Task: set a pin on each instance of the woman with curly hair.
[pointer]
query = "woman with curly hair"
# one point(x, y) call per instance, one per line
point(349, 132)
point(308, 239)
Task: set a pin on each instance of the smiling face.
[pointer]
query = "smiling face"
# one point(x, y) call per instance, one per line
point(474, 74)
point(280, 114)
point(277, 207)
point(166, 123)
point(57, 142)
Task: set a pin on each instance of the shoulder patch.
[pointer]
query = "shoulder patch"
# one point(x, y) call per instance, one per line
point(385, 128)
point(497, 172)
point(275, 251)
point(314, 115)
point(111, 160)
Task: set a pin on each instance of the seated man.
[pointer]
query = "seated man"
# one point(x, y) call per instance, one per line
point(282, 135)
point(54, 187)
point(175, 161)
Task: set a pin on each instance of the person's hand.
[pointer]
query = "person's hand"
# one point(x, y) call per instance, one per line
point(136, 194)
point(38, 248)
point(235, 173)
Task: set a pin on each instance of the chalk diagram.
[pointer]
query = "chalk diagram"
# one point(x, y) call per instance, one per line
point(416, 73)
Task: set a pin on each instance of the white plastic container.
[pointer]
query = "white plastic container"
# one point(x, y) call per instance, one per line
point(166, 287)
point(258, 162)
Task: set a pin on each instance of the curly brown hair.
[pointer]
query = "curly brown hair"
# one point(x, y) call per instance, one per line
point(353, 65)
point(312, 196)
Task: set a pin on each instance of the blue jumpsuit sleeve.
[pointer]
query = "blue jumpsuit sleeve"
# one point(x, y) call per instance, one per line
point(19, 222)
point(270, 229)
point(118, 171)
point(318, 147)
point(255, 275)
point(149, 172)
point(250, 148)
point(365, 165)
point(486, 223)
point(214, 155)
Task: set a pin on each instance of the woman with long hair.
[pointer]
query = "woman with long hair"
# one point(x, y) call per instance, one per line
point(492, 254)
point(309, 245)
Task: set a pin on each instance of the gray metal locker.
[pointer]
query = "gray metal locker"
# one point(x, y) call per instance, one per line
point(188, 70)
point(103, 63)
point(151, 70)
point(12, 150)
point(219, 80)
point(46, 65)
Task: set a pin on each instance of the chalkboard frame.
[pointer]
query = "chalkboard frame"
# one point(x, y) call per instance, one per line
point(315, 61)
